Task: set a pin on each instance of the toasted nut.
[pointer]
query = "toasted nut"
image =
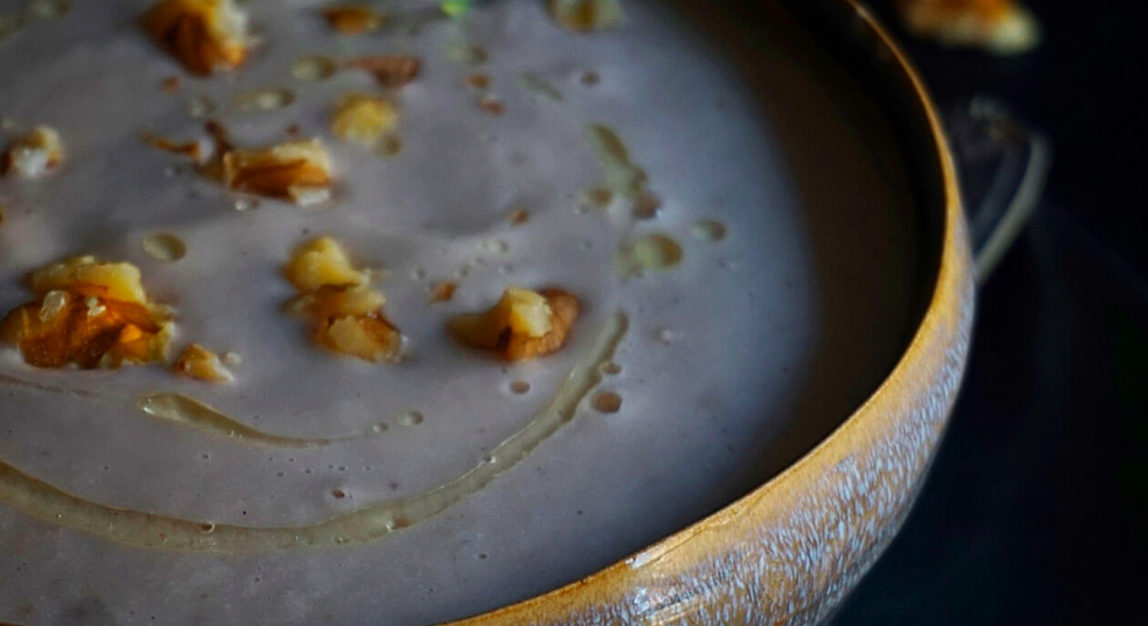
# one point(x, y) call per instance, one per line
point(1001, 26)
point(190, 149)
point(86, 276)
point(299, 170)
point(586, 15)
point(34, 154)
point(491, 105)
point(479, 81)
point(523, 324)
point(353, 19)
point(443, 292)
point(330, 301)
point(369, 338)
point(345, 313)
point(204, 35)
point(202, 364)
point(363, 118)
point(322, 262)
point(391, 71)
point(89, 314)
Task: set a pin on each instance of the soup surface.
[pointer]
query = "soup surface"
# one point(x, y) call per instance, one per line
point(730, 210)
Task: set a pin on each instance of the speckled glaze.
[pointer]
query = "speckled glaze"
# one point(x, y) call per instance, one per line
point(788, 552)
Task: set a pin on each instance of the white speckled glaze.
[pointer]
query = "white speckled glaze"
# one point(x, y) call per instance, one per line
point(784, 149)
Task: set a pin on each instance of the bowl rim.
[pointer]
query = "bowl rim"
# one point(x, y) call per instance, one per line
point(895, 430)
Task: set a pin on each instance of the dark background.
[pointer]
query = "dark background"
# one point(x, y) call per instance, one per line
point(1034, 512)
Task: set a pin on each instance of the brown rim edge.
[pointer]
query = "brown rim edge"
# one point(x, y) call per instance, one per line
point(789, 551)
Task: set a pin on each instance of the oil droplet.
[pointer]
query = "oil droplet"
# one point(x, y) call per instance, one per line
point(495, 246)
point(264, 100)
point(207, 527)
point(338, 494)
point(466, 54)
point(411, 418)
point(611, 368)
point(313, 68)
point(47, 9)
point(200, 106)
point(709, 230)
point(651, 252)
point(490, 459)
point(539, 85)
point(164, 247)
point(380, 427)
point(590, 78)
point(607, 402)
point(418, 274)
point(666, 336)
point(520, 387)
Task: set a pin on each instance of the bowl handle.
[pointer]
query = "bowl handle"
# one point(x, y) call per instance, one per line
point(1003, 166)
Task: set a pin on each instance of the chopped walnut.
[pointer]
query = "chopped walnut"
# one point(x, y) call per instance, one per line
point(32, 155)
point(89, 314)
point(391, 70)
point(443, 292)
point(586, 15)
point(322, 262)
point(205, 35)
point(353, 19)
point(479, 81)
point(363, 118)
point(1000, 26)
point(345, 312)
point(523, 325)
point(190, 149)
point(299, 170)
point(202, 364)
point(491, 105)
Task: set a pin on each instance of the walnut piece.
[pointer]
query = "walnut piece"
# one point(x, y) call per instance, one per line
point(523, 325)
point(390, 70)
point(190, 149)
point(322, 262)
point(204, 35)
point(202, 364)
point(353, 19)
point(586, 15)
point(89, 314)
point(345, 312)
point(443, 292)
point(298, 170)
point(1000, 26)
point(363, 118)
point(32, 155)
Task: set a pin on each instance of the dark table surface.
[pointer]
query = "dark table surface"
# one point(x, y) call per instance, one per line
point(1034, 512)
